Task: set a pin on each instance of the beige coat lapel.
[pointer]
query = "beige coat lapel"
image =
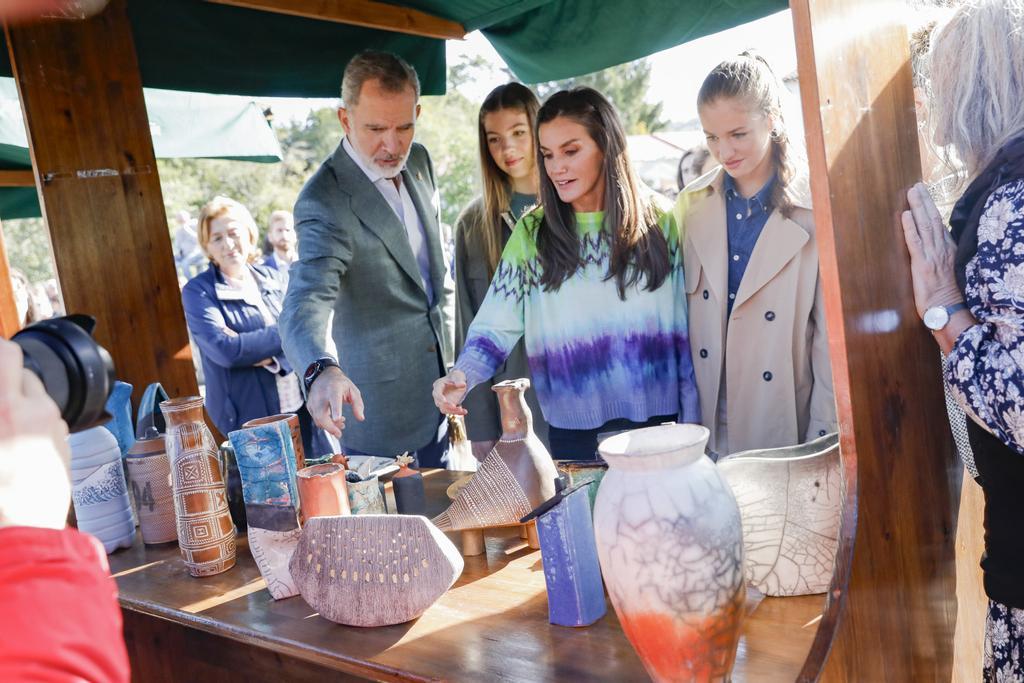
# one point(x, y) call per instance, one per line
point(704, 227)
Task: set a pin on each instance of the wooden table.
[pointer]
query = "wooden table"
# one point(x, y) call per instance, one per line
point(492, 625)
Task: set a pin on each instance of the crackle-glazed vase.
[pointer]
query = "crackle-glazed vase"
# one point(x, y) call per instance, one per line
point(669, 539)
point(792, 500)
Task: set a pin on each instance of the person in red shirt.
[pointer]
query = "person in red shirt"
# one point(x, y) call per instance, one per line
point(59, 617)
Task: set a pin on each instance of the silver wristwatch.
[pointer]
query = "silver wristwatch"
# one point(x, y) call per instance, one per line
point(937, 317)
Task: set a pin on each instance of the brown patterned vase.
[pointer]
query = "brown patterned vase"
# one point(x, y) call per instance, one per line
point(206, 534)
point(150, 475)
point(515, 477)
point(293, 427)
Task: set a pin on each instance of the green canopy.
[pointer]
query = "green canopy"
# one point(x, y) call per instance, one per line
point(201, 46)
point(192, 125)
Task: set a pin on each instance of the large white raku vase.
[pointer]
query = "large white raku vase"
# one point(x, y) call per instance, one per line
point(670, 543)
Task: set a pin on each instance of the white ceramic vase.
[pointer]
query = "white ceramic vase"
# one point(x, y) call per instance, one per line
point(669, 539)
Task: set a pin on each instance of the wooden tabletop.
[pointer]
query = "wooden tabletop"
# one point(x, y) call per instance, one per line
point(491, 625)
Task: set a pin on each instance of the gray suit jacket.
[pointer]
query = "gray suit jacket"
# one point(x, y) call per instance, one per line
point(355, 263)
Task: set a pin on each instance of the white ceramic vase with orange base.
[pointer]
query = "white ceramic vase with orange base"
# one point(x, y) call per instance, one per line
point(670, 543)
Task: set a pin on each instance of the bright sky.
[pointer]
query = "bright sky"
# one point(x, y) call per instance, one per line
point(676, 74)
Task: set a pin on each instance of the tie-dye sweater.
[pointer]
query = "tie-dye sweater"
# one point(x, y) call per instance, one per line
point(593, 356)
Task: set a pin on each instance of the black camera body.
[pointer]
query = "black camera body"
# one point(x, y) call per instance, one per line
point(77, 372)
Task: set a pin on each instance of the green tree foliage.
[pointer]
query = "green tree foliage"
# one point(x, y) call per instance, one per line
point(626, 86)
point(28, 248)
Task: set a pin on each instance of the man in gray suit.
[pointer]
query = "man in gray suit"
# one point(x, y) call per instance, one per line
point(370, 255)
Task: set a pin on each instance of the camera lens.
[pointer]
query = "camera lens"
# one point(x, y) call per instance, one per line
point(77, 372)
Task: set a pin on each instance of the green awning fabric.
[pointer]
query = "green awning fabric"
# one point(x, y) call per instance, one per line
point(183, 125)
point(204, 47)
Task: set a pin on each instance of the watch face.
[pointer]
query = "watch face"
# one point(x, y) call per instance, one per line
point(935, 318)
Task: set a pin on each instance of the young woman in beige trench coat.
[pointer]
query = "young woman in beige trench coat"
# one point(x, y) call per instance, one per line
point(762, 369)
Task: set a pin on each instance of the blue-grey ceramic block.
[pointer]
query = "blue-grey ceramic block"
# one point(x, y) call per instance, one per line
point(266, 463)
point(571, 569)
point(119, 405)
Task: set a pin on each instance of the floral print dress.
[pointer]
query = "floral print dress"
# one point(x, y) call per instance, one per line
point(985, 374)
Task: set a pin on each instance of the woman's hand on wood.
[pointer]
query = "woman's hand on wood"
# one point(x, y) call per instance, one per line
point(932, 253)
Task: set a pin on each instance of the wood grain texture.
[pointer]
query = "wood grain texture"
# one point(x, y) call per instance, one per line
point(972, 603)
point(378, 15)
point(11, 178)
point(90, 143)
point(491, 625)
point(891, 608)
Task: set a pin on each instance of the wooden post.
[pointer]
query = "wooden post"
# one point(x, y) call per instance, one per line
point(891, 611)
point(89, 138)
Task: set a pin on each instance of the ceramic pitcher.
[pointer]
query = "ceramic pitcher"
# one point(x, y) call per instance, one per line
point(670, 542)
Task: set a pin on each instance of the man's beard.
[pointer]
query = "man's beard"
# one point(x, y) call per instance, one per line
point(388, 172)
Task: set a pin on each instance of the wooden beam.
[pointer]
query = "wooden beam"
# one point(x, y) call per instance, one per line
point(367, 13)
point(892, 606)
point(24, 178)
point(90, 144)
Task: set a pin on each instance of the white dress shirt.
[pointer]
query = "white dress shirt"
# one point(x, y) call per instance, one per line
point(400, 201)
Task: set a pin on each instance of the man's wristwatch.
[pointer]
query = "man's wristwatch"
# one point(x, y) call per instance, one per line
point(937, 317)
point(315, 368)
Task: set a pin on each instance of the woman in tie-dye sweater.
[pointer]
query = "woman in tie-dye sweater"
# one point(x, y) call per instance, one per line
point(592, 281)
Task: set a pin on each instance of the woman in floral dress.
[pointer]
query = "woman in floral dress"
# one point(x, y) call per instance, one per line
point(969, 285)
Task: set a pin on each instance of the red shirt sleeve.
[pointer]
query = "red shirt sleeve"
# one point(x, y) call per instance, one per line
point(59, 617)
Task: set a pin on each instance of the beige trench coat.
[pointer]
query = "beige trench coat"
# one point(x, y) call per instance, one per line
point(774, 346)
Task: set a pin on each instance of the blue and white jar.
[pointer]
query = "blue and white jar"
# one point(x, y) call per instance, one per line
point(99, 491)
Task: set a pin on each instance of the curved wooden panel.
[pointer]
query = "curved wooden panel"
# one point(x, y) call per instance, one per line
point(891, 612)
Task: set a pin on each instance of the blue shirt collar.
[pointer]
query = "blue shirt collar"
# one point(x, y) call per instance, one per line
point(762, 197)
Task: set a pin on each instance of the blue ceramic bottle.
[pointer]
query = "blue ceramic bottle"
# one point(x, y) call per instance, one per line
point(569, 553)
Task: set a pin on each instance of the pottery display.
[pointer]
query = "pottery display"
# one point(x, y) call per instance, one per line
point(589, 472)
point(149, 472)
point(364, 495)
point(233, 484)
point(410, 496)
point(206, 535)
point(569, 554)
point(149, 413)
point(791, 503)
point(323, 491)
point(515, 477)
point(373, 570)
point(99, 491)
point(669, 538)
point(292, 420)
point(266, 459)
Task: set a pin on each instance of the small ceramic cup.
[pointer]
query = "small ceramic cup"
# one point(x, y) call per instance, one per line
point(365, 498)
point(323, 491)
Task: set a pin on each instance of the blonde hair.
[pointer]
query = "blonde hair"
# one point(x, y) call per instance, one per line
point(225, 206)
point(976, 70)
point(748, 77)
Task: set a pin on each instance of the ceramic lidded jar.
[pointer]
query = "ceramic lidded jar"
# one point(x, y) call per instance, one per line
point(206, 534)
point(670, 543)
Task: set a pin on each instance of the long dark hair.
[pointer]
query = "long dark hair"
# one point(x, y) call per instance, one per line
point(497, 188)
point(748, 77)
point(638, 246)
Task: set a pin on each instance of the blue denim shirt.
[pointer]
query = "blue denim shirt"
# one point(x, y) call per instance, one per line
point(745, 219)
